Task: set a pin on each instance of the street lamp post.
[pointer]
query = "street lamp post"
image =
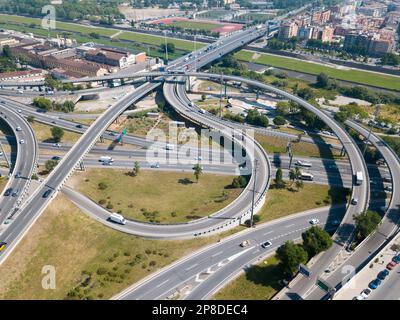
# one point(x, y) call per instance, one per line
point(254, 191)
point(166, 47)
point(370, 129)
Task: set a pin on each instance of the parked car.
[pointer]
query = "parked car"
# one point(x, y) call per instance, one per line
point(383, 274)
point(396, 258)
point(391, 265)
point(365, 293)
point(3, 246)
point(374, 283)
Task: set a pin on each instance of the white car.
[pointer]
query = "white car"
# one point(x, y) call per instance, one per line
point(156, 165)
point(314, 221)
point(56, 145)
point(22, 141)
point(245, 243)
point(303, 163)
point(18, 128)
point(354, 201)
point(266, 244)
point(365, 293)
point(19, 110)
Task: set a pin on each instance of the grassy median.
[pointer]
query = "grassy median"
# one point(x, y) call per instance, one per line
point(157, 196)
point(91, 261)
point(276, 145)
point(260, 282)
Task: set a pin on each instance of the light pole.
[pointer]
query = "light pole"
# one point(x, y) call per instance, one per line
point(166, 47)
point(220, 98)
point(370, 129)
point(254, 191)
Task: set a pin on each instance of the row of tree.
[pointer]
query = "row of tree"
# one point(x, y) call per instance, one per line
point(47, 104)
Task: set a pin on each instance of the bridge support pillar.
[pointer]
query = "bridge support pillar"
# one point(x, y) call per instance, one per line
point(101, 139)
point(225, 90)
point(343, 152)
point(82, 166)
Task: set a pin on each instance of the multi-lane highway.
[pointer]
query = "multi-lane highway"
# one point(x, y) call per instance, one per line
point(24, 164)
point(202, 272)
point(35, 205)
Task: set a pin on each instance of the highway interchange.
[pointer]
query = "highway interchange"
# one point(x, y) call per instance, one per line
point(201, 274)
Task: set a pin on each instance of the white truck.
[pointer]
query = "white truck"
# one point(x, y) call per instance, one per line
point(169, 146)
point(117, 218)
point(106, 159)
point(359, 178)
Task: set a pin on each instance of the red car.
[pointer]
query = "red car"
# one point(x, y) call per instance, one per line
point(391, 265)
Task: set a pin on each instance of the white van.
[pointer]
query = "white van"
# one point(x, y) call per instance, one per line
point(117, 218)
point(169, 146)
point(106, 159)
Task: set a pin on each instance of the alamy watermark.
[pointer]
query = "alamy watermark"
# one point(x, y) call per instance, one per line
point(49, 20)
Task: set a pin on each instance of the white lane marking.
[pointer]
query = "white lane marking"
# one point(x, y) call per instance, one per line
point(267, 233)
point(216, 254)
point(191, 267)
point(162, 283)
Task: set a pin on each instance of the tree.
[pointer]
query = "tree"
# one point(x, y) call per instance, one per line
point(42, 103)
point(136, 168)
point(341, 116)
point(290, 256)
point(30, 119)
point(299, 184)
point(68, 106)
point(50, 165)
point(279, 183)
point(239, 182)
point(57, 133)
point(283, 108)
point(305, 93)
point(7, 52)
point(316, 240)
point(52, 83)
point(198, 170)
point(323, 80)
point(170, 47)
point(279, 121)
point(366, 223)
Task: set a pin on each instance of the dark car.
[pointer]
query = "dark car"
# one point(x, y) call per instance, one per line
point(57, 158)
point(383, 274)
point(47, 193)
point(374, 284)
point(8, 192)
point(396, 259)
point(79, 126)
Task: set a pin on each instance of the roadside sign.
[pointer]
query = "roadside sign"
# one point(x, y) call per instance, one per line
point(304, 270)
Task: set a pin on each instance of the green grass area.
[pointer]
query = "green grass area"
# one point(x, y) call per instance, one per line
point(311, 196)
point(155, 40)
point(3, 182)
point(43, 133)
point(175, 196)
point(213, 14)
point(91, 261)
point(195, 25)
point(358, 76)
point(81, 34)
point(260, 282)
point(278, 145)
